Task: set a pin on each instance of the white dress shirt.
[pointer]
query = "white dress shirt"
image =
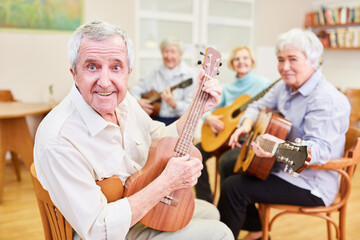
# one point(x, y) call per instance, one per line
point(75, 146)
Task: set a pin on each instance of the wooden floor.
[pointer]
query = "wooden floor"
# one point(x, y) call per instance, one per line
point(20, 218)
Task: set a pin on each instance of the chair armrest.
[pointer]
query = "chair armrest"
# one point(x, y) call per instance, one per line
point(335, 163)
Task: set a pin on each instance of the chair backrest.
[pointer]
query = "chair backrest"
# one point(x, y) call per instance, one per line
point(6, 96)
point(353, 95)
point(55, 225)
point(352, 153)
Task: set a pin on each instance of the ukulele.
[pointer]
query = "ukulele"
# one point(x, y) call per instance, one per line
point(174, 211)
point(155, 98)
point(272, 123)
point(218, 142)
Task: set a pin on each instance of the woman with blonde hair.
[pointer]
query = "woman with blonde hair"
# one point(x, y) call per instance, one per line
point(242, 62)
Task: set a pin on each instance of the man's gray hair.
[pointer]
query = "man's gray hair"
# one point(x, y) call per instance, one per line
point(172, 41)
point(98, 30)
point(305, 41)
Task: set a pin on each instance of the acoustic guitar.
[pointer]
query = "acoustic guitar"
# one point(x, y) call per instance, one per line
point(295, 157)
point(174, 211)
point(155, 98)
point(218, 142)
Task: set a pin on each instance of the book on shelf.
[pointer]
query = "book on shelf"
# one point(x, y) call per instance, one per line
point(333, 16)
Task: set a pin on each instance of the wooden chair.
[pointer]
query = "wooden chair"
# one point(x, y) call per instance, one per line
point(345, 167)
point(6, 96)
point(354, 98)
point(55, 225)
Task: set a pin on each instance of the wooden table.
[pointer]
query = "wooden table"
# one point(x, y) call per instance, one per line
point(14, 133)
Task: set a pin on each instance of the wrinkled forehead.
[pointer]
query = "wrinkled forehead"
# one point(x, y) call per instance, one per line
point(290, 51)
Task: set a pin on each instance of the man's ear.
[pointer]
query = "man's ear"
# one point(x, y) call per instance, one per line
point(73, 74)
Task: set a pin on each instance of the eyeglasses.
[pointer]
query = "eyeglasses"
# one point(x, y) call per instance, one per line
point(237, 59)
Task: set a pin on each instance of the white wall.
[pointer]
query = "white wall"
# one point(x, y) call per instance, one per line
point(273, 18)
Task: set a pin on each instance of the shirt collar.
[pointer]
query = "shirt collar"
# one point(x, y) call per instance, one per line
point(177, 71)
point(94, 122)
point(310, 84)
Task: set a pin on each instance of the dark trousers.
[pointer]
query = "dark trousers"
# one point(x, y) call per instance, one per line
point(240, 192)
point(225, 167)
point(166, 120)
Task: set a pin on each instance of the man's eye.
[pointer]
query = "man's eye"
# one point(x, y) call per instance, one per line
point(92, 67)
point(117, 67)
point(281, 60)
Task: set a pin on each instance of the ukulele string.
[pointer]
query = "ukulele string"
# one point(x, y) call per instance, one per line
point(184, 142)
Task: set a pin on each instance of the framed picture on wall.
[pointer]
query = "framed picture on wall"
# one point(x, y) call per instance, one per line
point(41, 14)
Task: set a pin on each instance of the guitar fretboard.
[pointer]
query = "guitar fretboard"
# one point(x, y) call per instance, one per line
point(265, 144)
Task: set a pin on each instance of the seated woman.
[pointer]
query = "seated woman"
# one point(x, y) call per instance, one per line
point(320, 116)
point(242, 61)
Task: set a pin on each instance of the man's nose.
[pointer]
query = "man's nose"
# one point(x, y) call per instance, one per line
point(104, 80)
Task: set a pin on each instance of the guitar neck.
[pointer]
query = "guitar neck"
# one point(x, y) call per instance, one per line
point(182, 84)
point(267, 145)
point(258, 96)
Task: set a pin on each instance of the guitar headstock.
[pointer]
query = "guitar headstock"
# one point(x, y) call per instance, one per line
point(296, 156)
point(212, 62)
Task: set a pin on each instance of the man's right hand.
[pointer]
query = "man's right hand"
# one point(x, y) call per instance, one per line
point(146, 105)
point(182, 172)
point(215, 123)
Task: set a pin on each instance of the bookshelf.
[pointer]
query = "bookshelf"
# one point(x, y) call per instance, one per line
point(337, 27)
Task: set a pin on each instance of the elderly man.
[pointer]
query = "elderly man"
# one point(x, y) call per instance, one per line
point(98, 131)
point(172, 72)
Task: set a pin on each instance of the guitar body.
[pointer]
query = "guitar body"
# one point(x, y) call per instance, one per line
point(267, 122)
point(212, 142)
point(163, 217)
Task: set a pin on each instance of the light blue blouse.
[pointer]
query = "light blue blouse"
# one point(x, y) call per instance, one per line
point(250, 84)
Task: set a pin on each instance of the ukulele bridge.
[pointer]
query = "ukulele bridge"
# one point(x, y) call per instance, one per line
point(169, 201)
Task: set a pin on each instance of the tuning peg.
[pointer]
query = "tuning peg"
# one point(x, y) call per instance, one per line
point(201, 53)
point(299, 141)
point(286, 168)
point(199, 62)
point(217, 73)
point(220, 64)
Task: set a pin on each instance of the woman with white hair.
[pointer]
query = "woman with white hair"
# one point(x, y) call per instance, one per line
point(320, 116)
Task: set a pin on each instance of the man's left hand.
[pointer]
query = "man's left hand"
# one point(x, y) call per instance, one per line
point(212, 87)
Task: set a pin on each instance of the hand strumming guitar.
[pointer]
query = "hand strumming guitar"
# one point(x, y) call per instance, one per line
point(240, 132)
point(215, 122)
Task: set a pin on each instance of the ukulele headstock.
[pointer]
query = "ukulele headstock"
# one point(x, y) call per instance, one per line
point(296, 156)
point(212, 62)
